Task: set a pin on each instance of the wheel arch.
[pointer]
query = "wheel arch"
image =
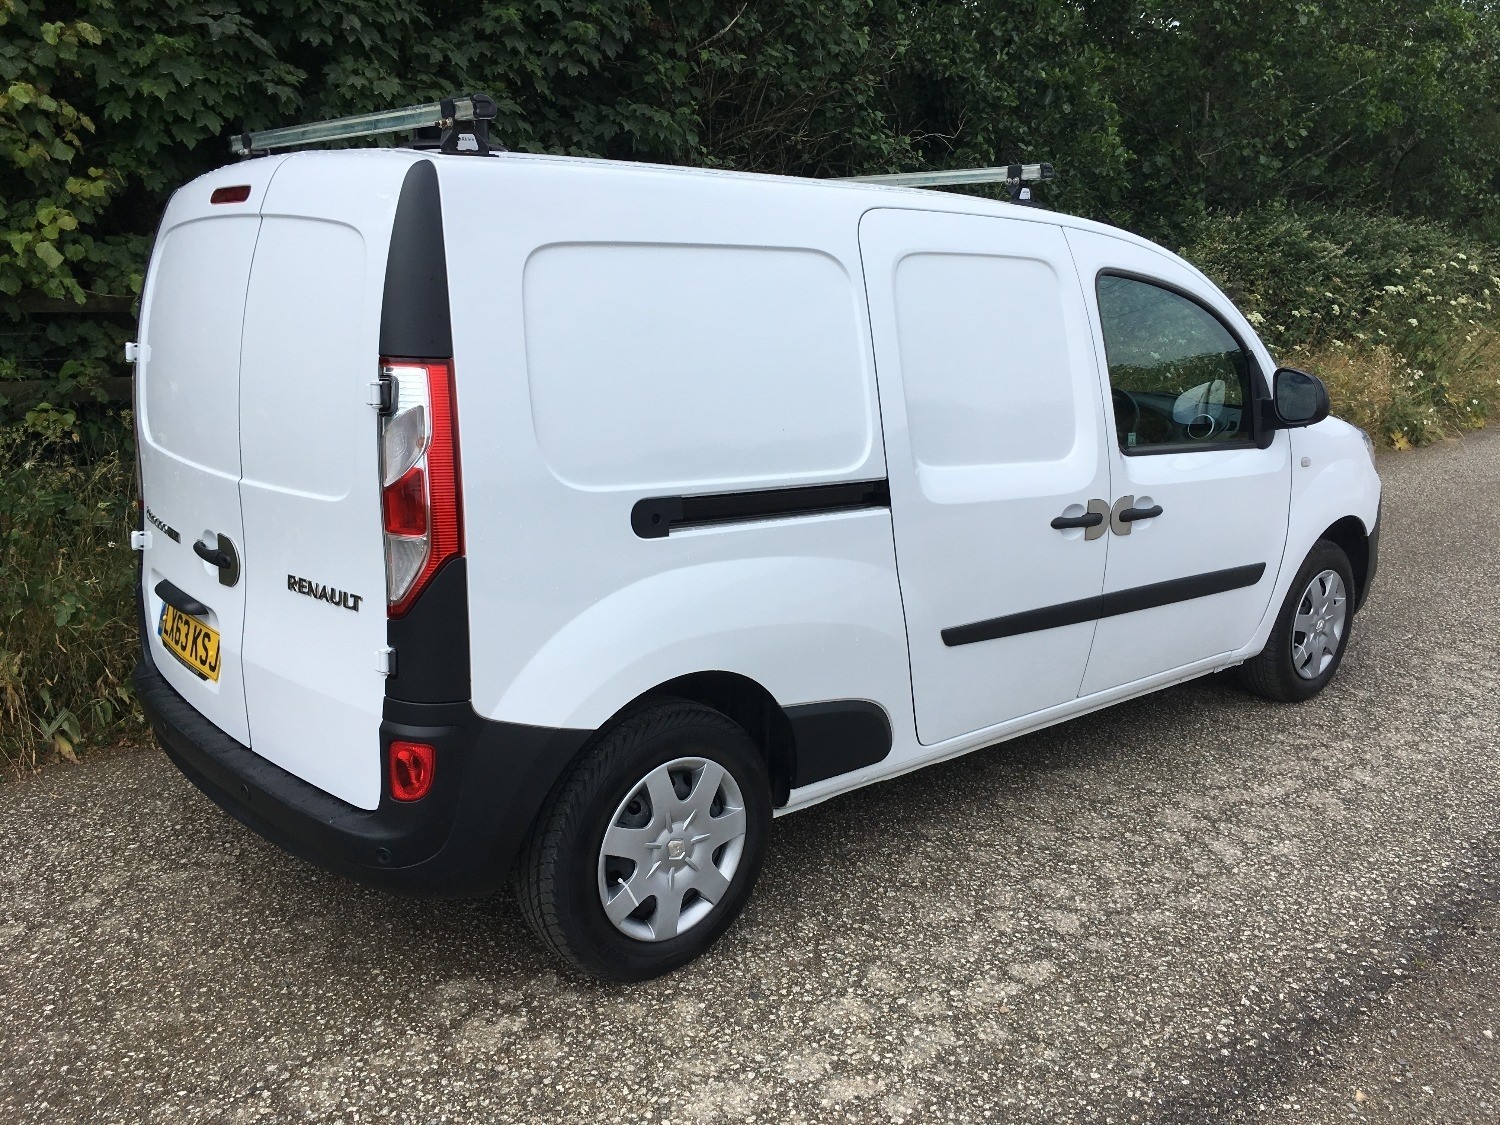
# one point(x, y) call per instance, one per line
point(1350, 536)
point(748, 704)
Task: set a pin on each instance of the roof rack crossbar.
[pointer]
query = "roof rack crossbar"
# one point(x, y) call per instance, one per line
point(1005, 174)
point(479, 109)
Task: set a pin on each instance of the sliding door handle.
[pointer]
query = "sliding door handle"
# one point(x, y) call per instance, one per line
point(1092, 520)
point(1130, 515)
point(1088, 519)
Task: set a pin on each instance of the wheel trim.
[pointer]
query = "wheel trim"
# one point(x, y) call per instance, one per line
point(1318, 626)
point(673, 855)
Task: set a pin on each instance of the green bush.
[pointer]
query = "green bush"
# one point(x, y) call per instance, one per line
point(1411, 301)
point(67, 616)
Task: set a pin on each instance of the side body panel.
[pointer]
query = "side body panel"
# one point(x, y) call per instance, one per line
point(621, 334)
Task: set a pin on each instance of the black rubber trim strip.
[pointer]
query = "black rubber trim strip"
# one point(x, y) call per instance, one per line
point(432, 641)
point(656, 517)
point(837, 737)
point(180, 599)
point(415, 320)
point(1106, 605)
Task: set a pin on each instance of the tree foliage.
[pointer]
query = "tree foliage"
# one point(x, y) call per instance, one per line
point(1154, 112)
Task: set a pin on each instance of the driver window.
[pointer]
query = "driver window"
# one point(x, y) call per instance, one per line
point(1178, 378)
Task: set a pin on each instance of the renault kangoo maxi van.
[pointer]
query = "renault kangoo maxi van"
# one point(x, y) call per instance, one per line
point(567, 520)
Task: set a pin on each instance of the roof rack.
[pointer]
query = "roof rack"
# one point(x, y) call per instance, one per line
point(469, 115)
point(1018, 176)
point(476, 111)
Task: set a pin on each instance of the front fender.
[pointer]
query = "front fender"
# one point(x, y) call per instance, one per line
point(1337, 480)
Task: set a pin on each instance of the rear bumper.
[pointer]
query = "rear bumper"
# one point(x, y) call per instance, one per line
point(461, 839)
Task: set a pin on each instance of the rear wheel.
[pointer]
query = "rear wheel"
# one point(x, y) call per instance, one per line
point(650, 848)
point(1312, 630)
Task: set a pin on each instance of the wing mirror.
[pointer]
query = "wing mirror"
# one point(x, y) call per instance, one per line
point(1299, 399)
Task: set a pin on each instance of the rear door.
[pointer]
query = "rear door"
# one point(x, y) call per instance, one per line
point(994, 430)
point(187, 407)
point(316, 605)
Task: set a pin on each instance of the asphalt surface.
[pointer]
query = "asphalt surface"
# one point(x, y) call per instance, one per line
point(1194, 907)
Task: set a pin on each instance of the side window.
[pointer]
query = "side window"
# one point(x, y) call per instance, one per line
point(1178, 378)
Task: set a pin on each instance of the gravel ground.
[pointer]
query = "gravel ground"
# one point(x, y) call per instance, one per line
point(1194, 907)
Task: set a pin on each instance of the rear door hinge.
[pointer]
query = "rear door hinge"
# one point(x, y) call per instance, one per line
point(381, 394)
point(134, 352)
point(385, 661)
point(140, 540)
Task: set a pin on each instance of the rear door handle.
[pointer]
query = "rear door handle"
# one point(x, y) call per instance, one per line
point(1130, 515)
point(180, 599)
point(211, 555)
point(224, 556)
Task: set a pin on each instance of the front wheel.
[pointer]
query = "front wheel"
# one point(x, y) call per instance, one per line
point(1311, 633)
point(650, 848)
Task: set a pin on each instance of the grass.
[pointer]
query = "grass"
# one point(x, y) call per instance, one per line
point(67, 608)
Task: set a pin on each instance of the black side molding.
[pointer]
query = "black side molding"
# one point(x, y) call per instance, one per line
point(414, 316)
point(656, 517)
point(1106, 605)
point(837, 737)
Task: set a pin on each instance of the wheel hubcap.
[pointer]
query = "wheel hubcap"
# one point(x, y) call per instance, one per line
point(1318, 628)
point(671, 849)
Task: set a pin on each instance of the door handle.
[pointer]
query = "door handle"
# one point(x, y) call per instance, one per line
point(178, 598)
point(213, 556)
point(1092, 520)
point(1130, 515)
point(1088, 519)
point(223, 556)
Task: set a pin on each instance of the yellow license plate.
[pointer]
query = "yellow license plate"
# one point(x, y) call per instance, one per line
point(191, 641)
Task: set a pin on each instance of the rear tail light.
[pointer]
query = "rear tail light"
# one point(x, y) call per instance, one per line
point(420, 493)
point(236, 194)
point(412, 767)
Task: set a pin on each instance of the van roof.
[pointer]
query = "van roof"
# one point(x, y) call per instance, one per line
point(868, 194)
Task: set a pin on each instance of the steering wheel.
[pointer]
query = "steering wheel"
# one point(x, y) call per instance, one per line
point(1125, 403)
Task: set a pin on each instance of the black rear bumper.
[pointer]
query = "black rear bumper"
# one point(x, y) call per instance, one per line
point(461, 839)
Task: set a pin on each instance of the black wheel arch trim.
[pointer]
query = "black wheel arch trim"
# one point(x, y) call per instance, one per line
point(837, 737)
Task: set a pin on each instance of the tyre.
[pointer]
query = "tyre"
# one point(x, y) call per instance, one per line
point(648, 850)
point(1312, 630)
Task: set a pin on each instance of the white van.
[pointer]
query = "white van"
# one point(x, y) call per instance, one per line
point(570, 519)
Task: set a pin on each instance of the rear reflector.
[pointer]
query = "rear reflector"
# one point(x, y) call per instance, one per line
point(237, 194)
point(420, 493)
point(405, 504)
point(412, 767)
